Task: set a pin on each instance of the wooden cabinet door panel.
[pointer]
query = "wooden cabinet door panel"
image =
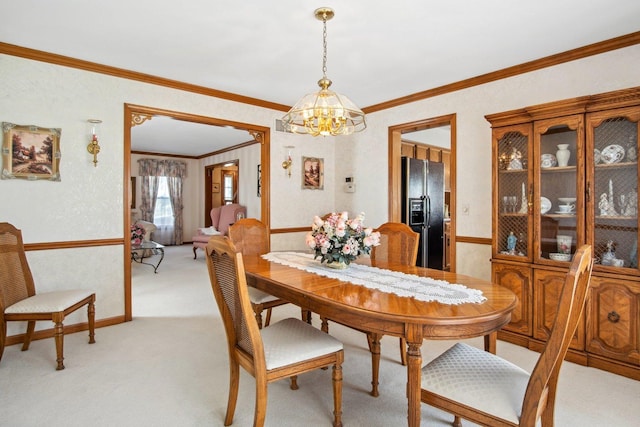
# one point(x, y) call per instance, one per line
point(614, 318)
point(518, 280)
point(547, 288)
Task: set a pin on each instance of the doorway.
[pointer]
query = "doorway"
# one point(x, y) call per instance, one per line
point(221, 183)
point(417, 132)
point(135, 115)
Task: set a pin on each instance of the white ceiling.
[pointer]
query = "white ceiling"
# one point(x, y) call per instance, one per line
point(272, 50)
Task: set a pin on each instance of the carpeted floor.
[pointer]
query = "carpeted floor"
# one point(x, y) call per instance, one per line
point(169, 367)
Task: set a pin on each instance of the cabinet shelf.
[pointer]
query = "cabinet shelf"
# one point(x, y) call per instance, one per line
point(615, 218)
point(623, 165)
point(558, 169)
point(509, 171)
point(560, 216)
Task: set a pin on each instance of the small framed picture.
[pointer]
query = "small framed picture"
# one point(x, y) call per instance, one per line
point(30, 152)
point(215, 187)
point(312, 173)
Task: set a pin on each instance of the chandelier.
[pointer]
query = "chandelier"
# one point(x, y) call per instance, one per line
point(324, 112)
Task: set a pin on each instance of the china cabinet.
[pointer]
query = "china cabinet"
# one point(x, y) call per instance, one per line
point(564, 174)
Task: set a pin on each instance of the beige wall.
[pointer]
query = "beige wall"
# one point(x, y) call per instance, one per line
point(89, 202)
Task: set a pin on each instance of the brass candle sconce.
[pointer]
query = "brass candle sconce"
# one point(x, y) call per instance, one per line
point(93, 147)
point(287, 163)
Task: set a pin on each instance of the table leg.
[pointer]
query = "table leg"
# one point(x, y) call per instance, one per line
point(414, 377)
point(374, 347)
point(490, 342)
point(161, 250)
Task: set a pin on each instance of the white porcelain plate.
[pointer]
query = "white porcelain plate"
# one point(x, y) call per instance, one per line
point(612, 153)
point(545, 205)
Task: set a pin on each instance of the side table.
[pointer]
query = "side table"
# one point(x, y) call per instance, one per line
point(146, 250)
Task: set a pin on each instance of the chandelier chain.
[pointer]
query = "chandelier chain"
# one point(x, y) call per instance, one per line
point(324, 47)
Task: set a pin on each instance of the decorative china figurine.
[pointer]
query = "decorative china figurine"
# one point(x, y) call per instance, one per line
point(631, 208)
point(511, 243)
point(611, 211)
point(524, 206)
point(632, 152)
point(610, 254)
point(604, 205)
point(515, 157)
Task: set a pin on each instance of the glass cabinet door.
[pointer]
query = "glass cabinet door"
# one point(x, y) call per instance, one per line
point(512, 200)
point(612, 150)
point(559, 166)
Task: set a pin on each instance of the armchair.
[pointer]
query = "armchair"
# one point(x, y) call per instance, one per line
point(221, 218)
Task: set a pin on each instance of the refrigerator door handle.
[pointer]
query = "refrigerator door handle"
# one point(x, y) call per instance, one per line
point(427, 212)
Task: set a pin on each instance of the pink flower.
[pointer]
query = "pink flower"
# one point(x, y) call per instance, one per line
point(310, 241)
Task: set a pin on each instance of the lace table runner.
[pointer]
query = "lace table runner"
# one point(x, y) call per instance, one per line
point(401, 284)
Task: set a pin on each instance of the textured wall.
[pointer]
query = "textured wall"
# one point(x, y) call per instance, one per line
point(89, 203)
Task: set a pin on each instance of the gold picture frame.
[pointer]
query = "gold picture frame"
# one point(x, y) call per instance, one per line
point(30, 152)
point(312, 173)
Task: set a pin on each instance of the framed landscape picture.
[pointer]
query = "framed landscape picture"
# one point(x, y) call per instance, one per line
point(30, 152)
point(312, 173)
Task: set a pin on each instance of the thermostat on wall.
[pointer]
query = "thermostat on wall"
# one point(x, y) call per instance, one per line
point(349, 186)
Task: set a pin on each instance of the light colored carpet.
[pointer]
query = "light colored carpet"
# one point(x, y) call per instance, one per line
point(169, 367)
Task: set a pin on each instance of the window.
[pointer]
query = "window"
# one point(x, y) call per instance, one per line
point(163, 214)
point(228, 189)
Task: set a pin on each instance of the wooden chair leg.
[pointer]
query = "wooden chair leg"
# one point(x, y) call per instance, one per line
point(261, 401)
point(195, 255)
point(306, 316)
point(3, 336)
point(403, 351)
point(234, 383)
point(59, 338)
point(266, 322)
point(31, 325)
point(374, 339)
point(294, 382)
point(324, 327)
point(337, 394)
point(257, 309)
point(91, 317)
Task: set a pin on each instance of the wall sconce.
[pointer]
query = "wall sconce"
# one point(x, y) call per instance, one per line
point(93, 147)
point(286, 164)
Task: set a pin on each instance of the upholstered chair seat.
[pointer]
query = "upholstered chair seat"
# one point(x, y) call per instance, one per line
point(48, 302)
point(291, 341)
point(478, 379)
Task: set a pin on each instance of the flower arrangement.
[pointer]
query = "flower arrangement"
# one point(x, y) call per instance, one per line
point(137, 233)
point(338, 239)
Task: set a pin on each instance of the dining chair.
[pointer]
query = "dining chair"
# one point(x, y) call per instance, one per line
point(251, 237)
point(285, 349)
point(20, 302)
point(398, 245)
point(479, 386)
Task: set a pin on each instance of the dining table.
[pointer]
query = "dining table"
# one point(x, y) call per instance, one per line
point(381, 298)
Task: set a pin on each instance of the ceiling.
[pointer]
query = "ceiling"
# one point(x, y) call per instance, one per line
point(272, 50)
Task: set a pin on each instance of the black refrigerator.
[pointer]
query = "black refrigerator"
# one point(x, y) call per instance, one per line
point(423, 208)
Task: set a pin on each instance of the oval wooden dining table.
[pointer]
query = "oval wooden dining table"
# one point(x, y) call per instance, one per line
point(384, 313)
